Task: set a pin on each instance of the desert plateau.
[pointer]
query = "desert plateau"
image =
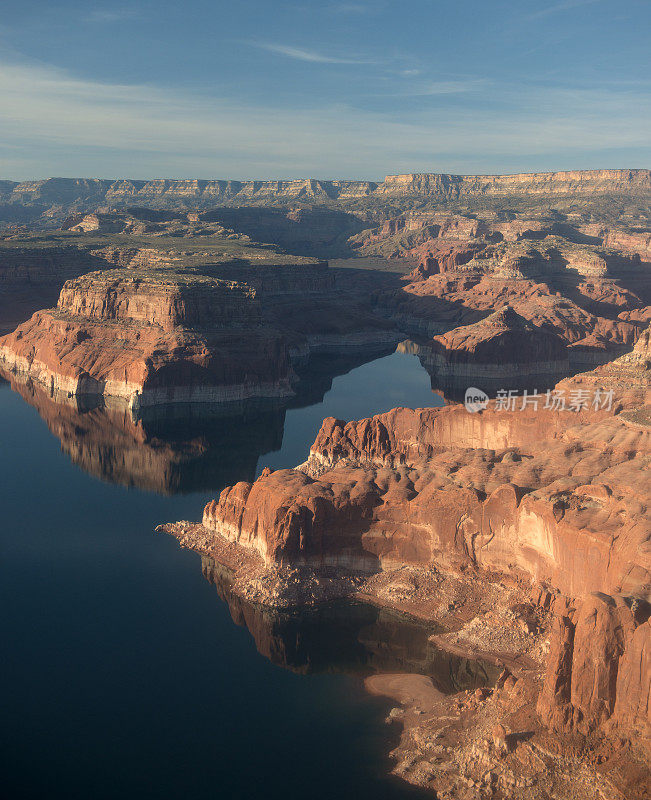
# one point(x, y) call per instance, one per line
point(515, 536)
point(325, 400)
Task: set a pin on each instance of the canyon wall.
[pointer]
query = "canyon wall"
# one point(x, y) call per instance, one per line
point(575, 182)
point(552, 498)
point(152, 337)
point(159, 331)
point(91, 192)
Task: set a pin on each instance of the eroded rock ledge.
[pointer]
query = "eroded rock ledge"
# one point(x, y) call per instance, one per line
point(151, 337)
point(166, 335)
point(527, 534)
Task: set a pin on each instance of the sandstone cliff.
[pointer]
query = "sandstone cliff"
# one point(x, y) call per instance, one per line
point(547, 498)
point(30, 200)
point(170, 328)
point(576, 182)
point(151, 338)
point(586, 181)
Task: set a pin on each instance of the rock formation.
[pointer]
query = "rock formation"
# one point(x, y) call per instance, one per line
point(521, 528)
point(151, 338)
point(546, 500)
point(220, 333)
point(494, 352)
point(571, 303)
point(425, 184)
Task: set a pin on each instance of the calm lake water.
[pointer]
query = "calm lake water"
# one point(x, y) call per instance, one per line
point(123, 674)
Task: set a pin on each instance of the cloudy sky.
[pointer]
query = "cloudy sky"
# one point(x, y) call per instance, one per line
point(267, 88)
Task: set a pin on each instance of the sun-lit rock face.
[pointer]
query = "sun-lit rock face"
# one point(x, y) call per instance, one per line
point(92, 194)
point(152, 337)
point(412, 486)
point(161, 299)
point(552, 496)
point(221, 333)
point(500, 347)
point(577, 181)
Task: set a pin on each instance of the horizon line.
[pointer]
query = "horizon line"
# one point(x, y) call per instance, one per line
point(313, 178)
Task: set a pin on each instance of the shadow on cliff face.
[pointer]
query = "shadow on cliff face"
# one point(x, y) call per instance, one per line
point(317, 232)
point(349, 637)
point(31, 279)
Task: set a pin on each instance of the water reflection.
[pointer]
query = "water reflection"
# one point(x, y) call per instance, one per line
point(349, 637)
point(166, 455)
point(181, 448)
point(186, 448)
point(451, 379)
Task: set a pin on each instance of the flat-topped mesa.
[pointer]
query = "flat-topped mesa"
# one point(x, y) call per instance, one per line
point(279, 280)
point(443, 187)
point(576, 181)
point(210, 191)
point(152, 338)
point(160, 298)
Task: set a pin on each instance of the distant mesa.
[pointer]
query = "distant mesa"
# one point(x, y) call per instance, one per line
point(442, 186)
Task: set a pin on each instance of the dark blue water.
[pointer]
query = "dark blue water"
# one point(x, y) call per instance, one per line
point(122, 674)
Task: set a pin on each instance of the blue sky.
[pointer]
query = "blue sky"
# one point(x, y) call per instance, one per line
point(326, 89)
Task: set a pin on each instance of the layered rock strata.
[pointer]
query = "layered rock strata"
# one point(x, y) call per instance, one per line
point(562, 305)
point(152, 338)
point(440, 186)
point(222, 333)
point(549, 501)
point(494, 353)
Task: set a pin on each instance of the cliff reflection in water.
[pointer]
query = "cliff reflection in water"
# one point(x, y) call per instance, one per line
point(349, 637)
point(450, 379)
point(181, 448)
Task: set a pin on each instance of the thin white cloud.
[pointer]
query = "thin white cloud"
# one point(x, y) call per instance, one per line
point(109, 15)
point(55, 123)
point(433, 88)
point(301, 54)
point(349, 8)
point(568, 5)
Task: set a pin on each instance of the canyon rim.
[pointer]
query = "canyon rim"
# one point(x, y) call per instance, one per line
point(187, 319)
point(325, 400)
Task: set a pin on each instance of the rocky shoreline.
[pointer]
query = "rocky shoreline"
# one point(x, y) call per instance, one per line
point(523, 536)
point(520, 529)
